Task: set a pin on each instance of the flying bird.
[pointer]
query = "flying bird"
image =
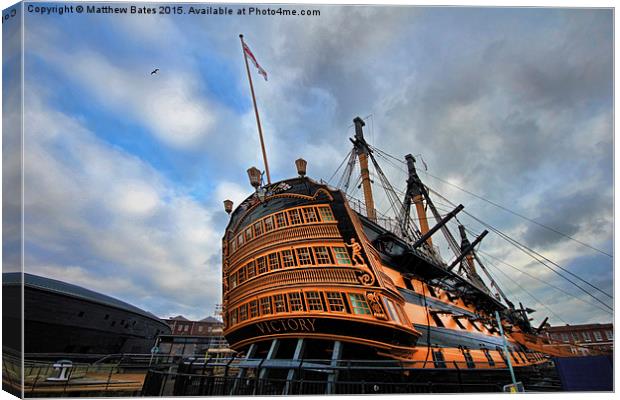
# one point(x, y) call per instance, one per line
point(156, 70)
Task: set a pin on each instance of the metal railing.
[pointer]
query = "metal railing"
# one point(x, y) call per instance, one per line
point(122, 374)
point(161, 383)
point(242, 376)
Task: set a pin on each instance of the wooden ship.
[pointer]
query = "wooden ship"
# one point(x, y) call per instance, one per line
point(308, 273)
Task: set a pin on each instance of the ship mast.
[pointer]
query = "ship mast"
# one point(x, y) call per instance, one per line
point(362, 150)
point(414, 193)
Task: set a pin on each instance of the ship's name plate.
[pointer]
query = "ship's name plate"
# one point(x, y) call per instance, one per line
point(287, 325)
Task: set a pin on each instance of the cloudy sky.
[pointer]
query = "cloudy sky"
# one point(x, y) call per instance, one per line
point(125, 172)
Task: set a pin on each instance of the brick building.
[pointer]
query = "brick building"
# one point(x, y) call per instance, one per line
point(596, 337)
point(192, 338)
point(181, 326)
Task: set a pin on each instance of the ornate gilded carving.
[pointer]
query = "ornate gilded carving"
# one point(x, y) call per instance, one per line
point(375, 305)
point(356, 252)
point(253, 202)
point(365, 277)
point(225, 266)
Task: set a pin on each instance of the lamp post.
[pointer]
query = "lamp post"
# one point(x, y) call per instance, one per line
point(255, 177)
point(228, 206)
point(301, 165)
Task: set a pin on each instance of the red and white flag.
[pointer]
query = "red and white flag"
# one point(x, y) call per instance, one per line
point(248, 53)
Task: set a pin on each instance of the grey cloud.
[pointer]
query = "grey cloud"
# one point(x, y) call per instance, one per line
point(567, 213)
point(514, 104)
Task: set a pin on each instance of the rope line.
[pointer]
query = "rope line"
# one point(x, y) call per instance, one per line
point(501, 207)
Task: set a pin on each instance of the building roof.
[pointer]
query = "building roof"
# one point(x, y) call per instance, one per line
point(179, 318)
point(211, 319)
point(68, 289)
point(566, 328)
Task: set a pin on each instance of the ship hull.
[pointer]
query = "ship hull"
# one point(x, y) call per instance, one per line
point(301, 264)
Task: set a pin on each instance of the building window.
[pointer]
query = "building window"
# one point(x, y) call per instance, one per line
point(359, 304)
point(243, 312)
point(274, 261)
point(200, 328)
point(401, 314)
point(233, 246)
point(233, 280)
point(389, 305)
point(322, 255)
point(265, 305)
point(248, 234)
point(261, 265)
point(313, 300)
point(258, 228)
point(241, 275)
point(287, 258)
point(253, 309)
point(326, 214)
point(335, 302)
point(294, 302)
point(250, 270)
point(597, 336)
point(303, 255)
point(281, 220)
point(279, 303)
point(295, 217)
point(186, 328)
point(233, 317)
point(565, 337)
point(342, 256)
point(575, 337)
point(240, 240)
point(438, 359)
point(310, 215)
point(268, 224)
point(610, 335)
point(180, 328)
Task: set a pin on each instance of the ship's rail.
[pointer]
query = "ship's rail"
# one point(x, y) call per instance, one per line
point(387, 223)
point(295, 276)
point(392, 225)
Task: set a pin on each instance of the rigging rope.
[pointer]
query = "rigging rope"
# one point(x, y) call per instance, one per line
point(520, 215)
point(338, 169)
point(500, 206)
point(531, 253)
point(540, 280)
point(452, 244)
point(395, 201)
point(526, 291)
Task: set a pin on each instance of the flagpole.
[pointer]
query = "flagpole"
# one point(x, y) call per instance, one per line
point(260, 130)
